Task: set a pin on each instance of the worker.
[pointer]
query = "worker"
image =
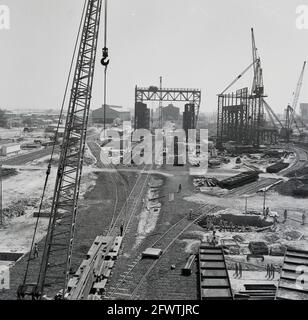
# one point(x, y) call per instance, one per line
point(275, 221)
point(236, 271)
point(266, 212)
point(180, 188)
point(240, 269)
point(35, 251)
point(303, 218)
point(285, 215)
point(267, 271)
point(273, 272)
point(121, 229)
point(214, 238)
point(190, 214)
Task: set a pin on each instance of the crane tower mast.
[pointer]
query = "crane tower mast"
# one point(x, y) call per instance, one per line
point(56, 259)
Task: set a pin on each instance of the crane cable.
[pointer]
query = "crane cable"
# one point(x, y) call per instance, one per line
point(105, 62)
point(55, 141)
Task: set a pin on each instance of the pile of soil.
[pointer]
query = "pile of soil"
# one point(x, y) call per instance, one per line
point(7, 172)
point(292, 235)
point(18, 208)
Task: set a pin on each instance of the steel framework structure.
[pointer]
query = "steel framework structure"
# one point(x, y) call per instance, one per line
point(166, 94)
point(57, 254)
point(241, 119)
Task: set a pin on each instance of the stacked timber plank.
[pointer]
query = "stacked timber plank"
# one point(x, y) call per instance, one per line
point(257, 292)
point(214, 278)
point(239, 180)
point(90, 280)
point(277, 167)
point(293, 283)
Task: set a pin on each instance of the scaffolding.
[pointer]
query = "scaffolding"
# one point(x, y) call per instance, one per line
point(241, 119)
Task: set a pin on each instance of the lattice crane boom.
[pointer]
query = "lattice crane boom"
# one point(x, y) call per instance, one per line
point(298, 88)
point(257, 85)
point(56, 259)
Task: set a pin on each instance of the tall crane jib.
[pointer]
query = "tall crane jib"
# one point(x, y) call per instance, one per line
point(56, 260)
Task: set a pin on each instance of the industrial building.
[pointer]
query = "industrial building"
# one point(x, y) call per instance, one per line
point(112, 113)
point(142, 116)
point(171, 113)
point(189, 117)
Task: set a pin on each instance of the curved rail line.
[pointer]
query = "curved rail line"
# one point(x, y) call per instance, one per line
point(179, 227)
point(86, 281)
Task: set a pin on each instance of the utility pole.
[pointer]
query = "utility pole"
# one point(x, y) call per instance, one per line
point(246, 205)
point(160, 103)
point(264, 195)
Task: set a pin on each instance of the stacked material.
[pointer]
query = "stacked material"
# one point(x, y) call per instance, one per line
point(275, 168)
point(6, 172)
point(293, 280)
point(239, 180)
point(214, 278)
point(257, 292)
point(90, 280)
point(205, 182)
point(258, 248)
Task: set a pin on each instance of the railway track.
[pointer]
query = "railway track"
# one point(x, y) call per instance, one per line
point(132, 199)
point(27, 157)
point(301, 161)
point(252, 187)
point(117, 179)
point(128, 286)
point(123, 218)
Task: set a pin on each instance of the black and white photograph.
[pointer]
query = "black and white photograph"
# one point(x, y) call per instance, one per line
point(154, 151)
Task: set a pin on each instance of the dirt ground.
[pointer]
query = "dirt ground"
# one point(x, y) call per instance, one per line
point(95, 214)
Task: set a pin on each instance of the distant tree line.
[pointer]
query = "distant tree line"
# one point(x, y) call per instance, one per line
point(3, 119)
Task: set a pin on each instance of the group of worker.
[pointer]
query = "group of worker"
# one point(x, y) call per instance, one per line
point(285, 216)
point(238, 270)
point(270, 271)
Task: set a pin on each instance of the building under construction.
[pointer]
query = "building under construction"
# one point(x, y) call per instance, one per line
point(241, 118)
point(241, 115)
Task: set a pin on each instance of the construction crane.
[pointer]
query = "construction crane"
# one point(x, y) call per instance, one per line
point(296, 96)
point(291, 116)
point(257, 84)
point(298, 89)
point(57, 254)
point(274, 118)
point(238, 77)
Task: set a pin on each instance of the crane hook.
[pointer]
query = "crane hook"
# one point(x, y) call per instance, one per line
point(104, 60)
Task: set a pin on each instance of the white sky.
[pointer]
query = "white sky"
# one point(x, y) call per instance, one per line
point(197, 43)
